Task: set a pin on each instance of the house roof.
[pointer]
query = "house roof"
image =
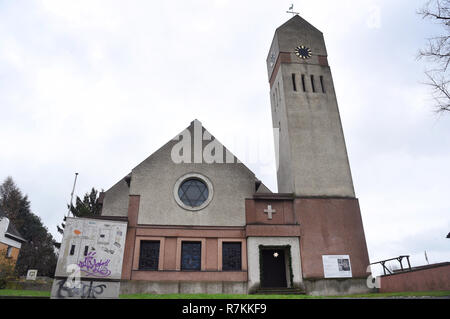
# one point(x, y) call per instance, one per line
point(12, 231)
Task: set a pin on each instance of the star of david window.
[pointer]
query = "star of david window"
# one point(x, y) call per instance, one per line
point(193, 191)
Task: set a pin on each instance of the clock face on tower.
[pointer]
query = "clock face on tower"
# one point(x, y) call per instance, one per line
point(303, 52)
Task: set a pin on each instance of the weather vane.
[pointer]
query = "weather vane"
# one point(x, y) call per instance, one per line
point(291, 10)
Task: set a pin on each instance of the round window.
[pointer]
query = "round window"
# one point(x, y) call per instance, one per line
point(193, 192)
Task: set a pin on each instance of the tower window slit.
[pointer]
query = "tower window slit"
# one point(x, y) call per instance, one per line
point(279, 93)
point(294, 85)
point(313, 85)
point(322, 84)
point(276, 97)
point(303, 83)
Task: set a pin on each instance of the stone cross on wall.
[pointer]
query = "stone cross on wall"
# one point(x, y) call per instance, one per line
point(269, 211)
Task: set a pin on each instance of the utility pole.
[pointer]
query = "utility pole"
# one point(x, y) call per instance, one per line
point(71, 194)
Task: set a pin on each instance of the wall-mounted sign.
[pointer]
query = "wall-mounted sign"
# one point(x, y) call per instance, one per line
point(337, 266)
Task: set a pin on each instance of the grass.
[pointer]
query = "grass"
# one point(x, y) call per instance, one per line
point(213, 296)
point(24, 293)
point(206, 296)
point(33, 293)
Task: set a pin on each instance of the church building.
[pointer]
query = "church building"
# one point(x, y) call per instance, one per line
point(199, 221)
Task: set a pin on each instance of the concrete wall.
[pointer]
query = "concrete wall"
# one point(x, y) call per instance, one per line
point(155, 178)
point(40, 284)
point(86, 289)
point(430, 279)
point(336, 287)
point(128, 287)
point(313, 155)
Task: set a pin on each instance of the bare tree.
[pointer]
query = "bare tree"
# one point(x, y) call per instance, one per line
point(438, 53)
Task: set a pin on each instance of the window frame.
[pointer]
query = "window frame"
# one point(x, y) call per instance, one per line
point(243, 241)
point(240, 254)
point(140, 254)
point(199, 257)
point(180, 241)
point(137, 249)
point(9, 250)
point(200, 177)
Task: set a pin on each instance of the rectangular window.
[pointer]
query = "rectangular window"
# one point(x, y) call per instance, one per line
point(303, 83)
point(313, 85)
point(72, 250)
point(231, 256)
point(149, 255)
point(191, 256)
point(322, 84)
point(294, 85)
point(9, 252)
point(86, 249)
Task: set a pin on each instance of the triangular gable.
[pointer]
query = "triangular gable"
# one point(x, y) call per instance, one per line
point(200, 137)
point(196, 145)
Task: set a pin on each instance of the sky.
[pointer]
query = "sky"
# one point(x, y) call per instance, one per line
point(95, 87)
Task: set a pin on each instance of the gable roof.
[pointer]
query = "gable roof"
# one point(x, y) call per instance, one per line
point(204, 131)
point(12, 231)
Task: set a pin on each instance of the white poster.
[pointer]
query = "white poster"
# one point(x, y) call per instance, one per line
point(337, 266)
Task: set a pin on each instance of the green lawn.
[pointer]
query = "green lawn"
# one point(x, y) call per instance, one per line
point(206, 296)
point(32, 293)
point(24, 293)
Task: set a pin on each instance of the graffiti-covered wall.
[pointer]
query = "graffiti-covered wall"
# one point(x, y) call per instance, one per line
point(91, 256)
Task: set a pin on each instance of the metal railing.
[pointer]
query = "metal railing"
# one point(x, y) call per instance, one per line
point(399, 259)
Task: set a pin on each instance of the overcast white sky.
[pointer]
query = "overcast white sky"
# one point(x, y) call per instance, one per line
point(97, 86)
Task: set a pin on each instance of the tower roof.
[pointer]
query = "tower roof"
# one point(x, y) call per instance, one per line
point(297, 21)
point(294, 32)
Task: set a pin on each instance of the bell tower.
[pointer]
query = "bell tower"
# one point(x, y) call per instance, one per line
point(312, 157)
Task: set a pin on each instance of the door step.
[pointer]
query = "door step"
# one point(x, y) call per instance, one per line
point(279, 291)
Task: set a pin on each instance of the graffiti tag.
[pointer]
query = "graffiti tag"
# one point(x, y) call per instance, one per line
point(84, 290)
point(93, 267)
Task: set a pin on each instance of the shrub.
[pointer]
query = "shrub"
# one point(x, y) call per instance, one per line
point(7, 269)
